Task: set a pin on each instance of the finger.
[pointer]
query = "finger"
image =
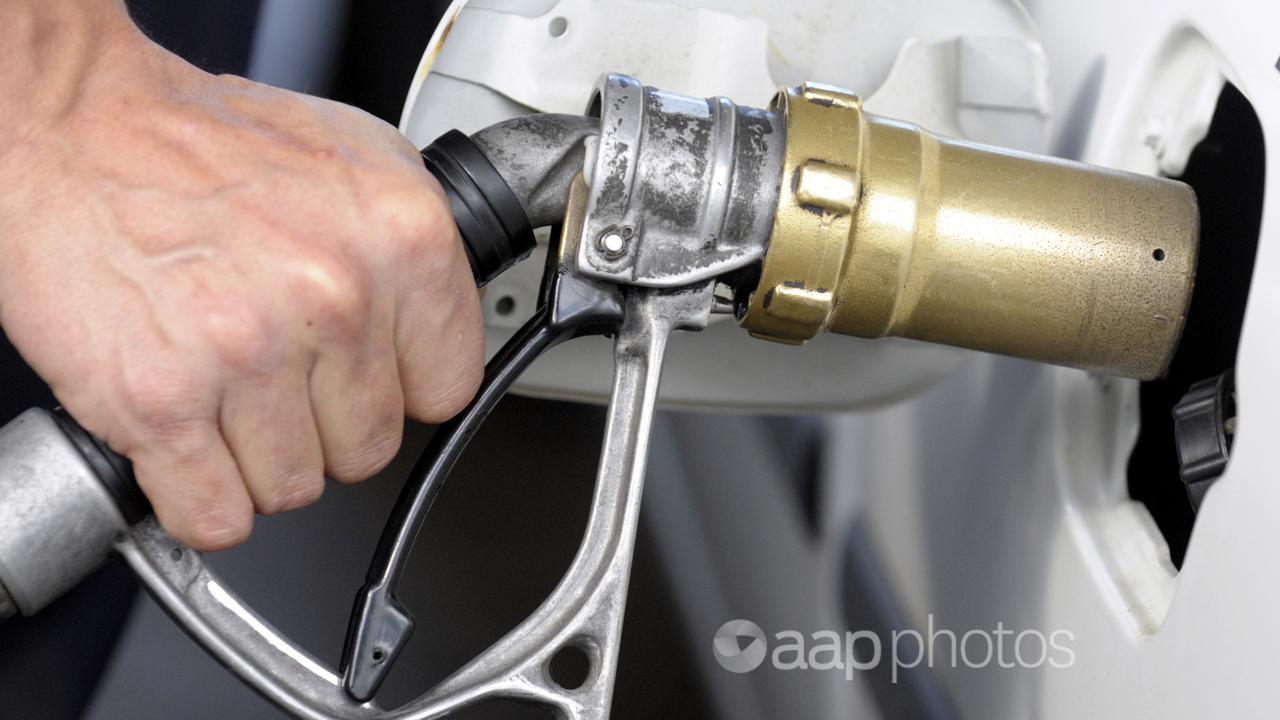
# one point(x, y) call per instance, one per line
point(270, 430)
point(359, 412)
point(196, 491)
point(440, 345)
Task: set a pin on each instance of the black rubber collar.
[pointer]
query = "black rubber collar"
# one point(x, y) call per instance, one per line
point(494, 227)
point(114, 470)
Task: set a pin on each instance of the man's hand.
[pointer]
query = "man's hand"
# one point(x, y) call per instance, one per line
point(238, 287)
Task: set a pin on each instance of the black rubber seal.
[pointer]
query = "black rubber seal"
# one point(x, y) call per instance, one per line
point(494, 227)
point(114, 470)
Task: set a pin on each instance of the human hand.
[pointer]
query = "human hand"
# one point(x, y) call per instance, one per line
point(238, 287)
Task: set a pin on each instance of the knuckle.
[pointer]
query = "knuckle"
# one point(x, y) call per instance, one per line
point(293, 493)
point(452, 397)
point(445, 390)
point(240, 337)
point(371, 456)
point(166, 404)
point(196, 504)
point(335, 294)
point(215, 530)
point(422, 224)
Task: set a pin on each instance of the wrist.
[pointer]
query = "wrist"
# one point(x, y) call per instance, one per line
point(49, 51)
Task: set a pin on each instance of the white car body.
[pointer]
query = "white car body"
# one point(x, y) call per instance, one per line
point(987, 491)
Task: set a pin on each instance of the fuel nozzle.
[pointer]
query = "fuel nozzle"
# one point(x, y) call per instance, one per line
point(885, 229)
